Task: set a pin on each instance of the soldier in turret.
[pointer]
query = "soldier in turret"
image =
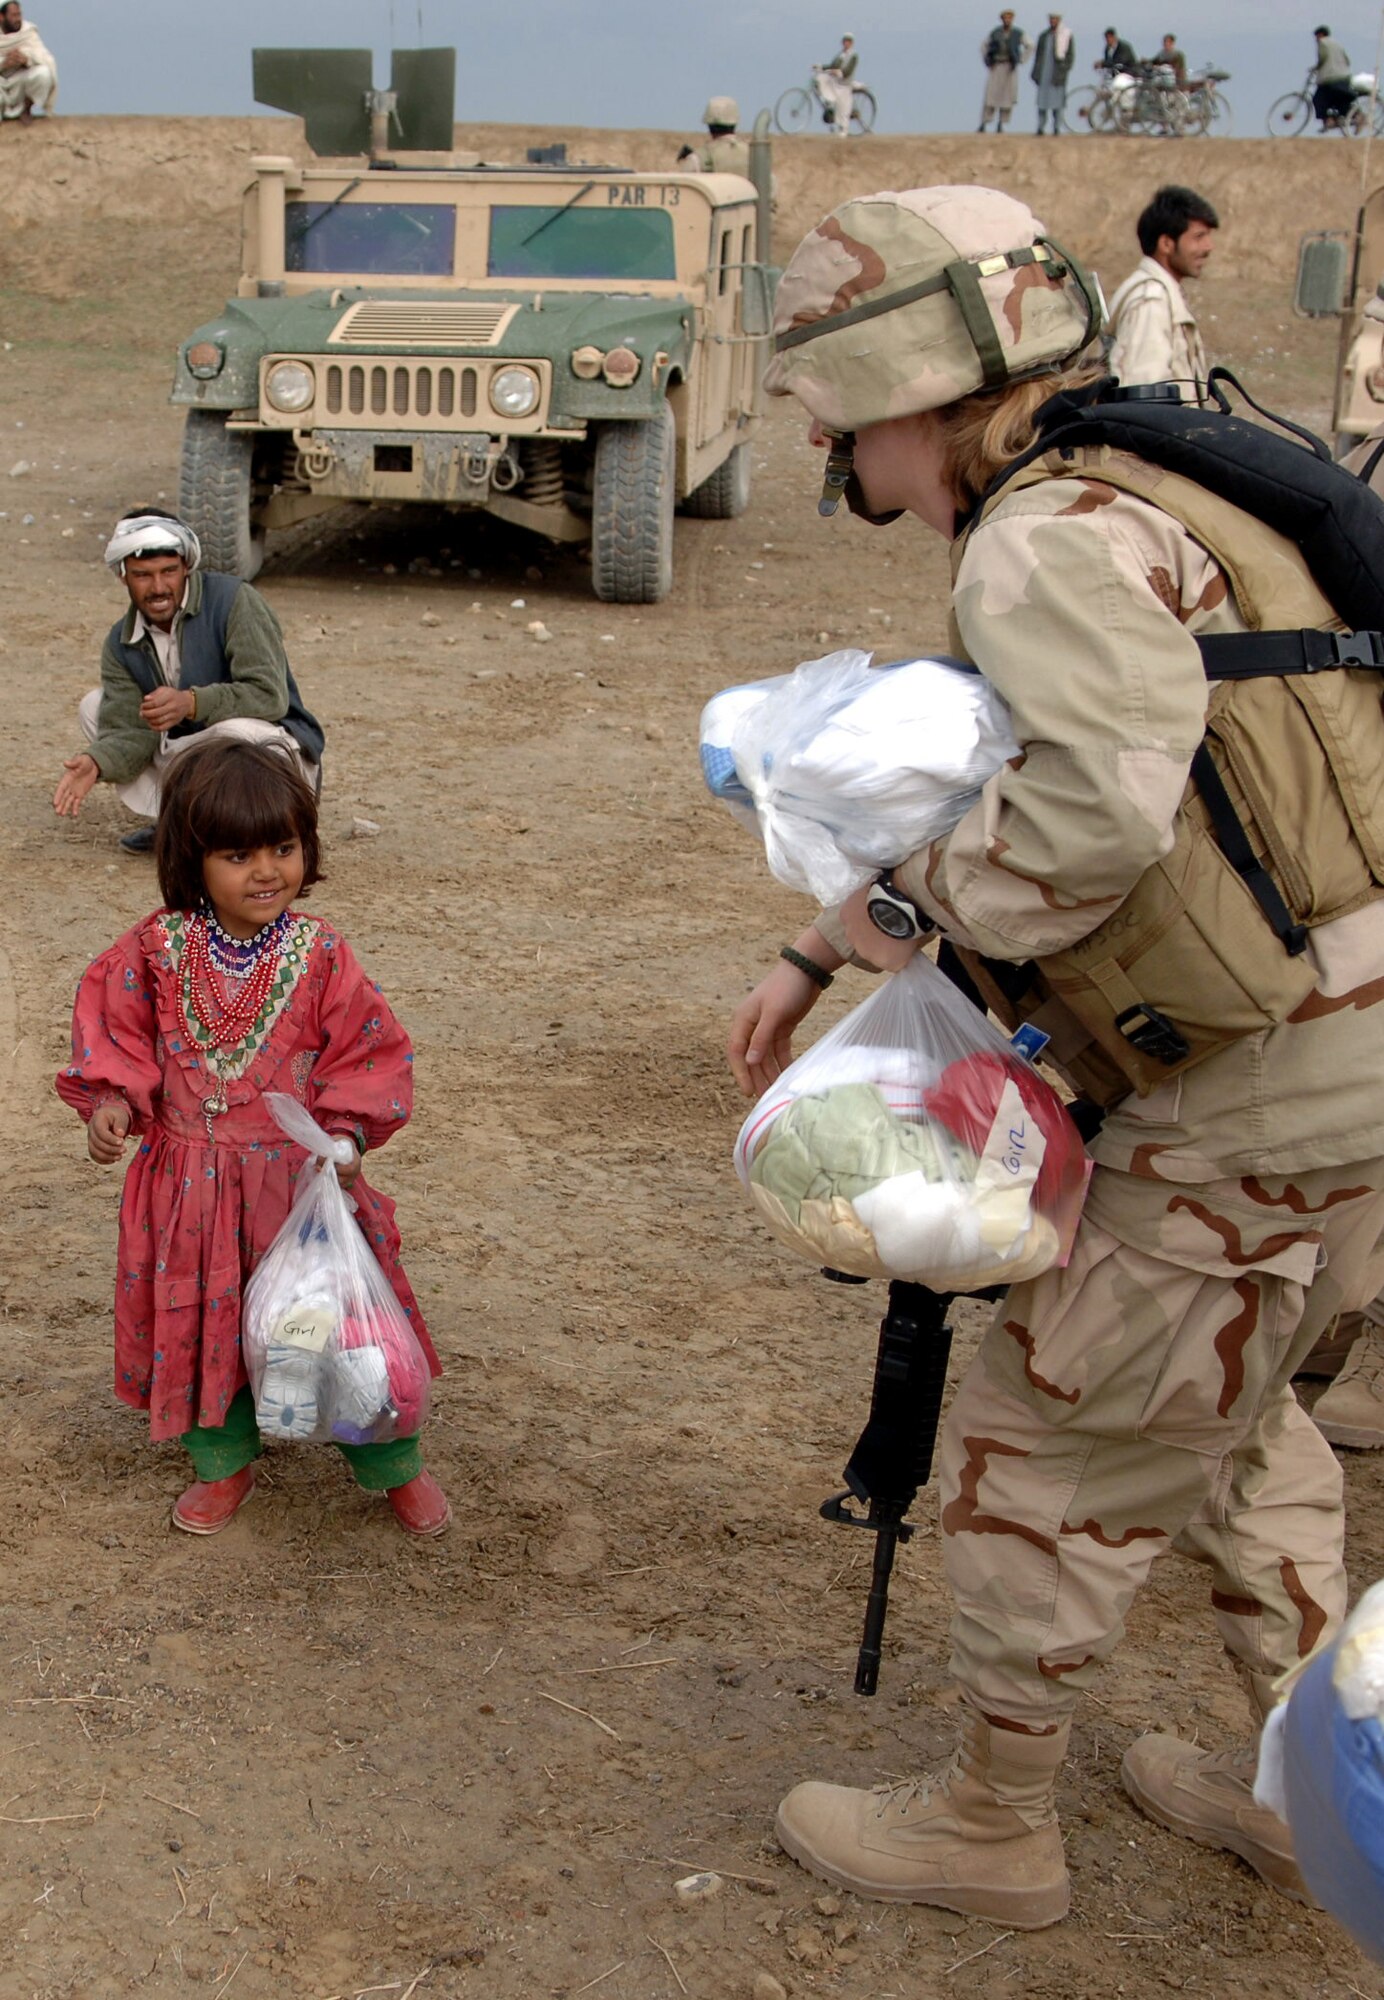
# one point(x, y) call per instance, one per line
point(725, 150)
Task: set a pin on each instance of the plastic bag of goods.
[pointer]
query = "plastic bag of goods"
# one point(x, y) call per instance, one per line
point(913, 1141)
point(1321, 1767)
point(845, 767)
point(328, 1349)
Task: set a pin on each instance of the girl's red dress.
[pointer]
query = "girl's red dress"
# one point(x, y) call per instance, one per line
point(204, 1198)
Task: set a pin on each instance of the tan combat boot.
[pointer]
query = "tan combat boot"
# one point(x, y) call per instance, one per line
point(979, 1836)
point(1351, 1411)
point(1208, 1796)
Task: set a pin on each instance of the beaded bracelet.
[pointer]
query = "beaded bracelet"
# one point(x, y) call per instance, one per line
point(817, 973)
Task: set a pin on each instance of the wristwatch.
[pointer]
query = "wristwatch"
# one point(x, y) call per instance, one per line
point(894, 913)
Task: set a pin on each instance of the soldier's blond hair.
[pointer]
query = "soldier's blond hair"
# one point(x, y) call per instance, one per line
point(988, 430)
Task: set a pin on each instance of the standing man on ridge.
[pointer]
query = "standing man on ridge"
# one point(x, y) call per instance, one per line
point(1002, 51)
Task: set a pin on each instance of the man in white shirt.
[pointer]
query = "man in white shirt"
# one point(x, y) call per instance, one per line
point(1154, 336)
point(834, 85)
point(28, 73)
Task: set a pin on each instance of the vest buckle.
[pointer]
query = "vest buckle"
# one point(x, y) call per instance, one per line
point(1356, 649)
point(1153, 1034)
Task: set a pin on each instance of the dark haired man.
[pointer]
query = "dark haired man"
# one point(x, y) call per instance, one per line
point(1334, 94)
point(196, 654)
point(1154, 336)
point(1117, 55)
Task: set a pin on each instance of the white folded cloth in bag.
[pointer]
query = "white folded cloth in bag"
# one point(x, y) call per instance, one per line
point(851, 767)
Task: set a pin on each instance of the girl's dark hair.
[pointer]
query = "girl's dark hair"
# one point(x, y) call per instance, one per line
point(222, 796)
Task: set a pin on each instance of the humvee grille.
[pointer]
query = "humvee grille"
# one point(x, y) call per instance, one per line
point(432, 389)
point(423, 323)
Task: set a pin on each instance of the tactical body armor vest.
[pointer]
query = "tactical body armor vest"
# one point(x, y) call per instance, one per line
point(1280, 829)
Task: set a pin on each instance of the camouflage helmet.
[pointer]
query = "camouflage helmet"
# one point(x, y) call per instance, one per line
point(721, 111)
point(907, 301)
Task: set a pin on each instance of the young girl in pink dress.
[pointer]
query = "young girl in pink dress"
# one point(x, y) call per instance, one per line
point(179, 1030)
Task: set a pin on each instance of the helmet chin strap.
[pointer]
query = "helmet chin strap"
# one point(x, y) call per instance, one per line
point(841, 481)
point(840, 469)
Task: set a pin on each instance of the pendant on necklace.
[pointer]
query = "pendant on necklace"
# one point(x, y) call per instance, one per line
point(216, 1105)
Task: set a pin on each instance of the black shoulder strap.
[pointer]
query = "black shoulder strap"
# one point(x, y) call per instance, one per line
point(1233, 842)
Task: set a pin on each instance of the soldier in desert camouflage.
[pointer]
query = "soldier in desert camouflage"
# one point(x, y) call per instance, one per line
point(1137, 1400)
point(725, 151)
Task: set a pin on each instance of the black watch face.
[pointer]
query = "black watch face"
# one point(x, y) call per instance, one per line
point(889, 918)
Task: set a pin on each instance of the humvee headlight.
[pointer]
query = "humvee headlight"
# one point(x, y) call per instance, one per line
point(620, 367)
point(290, 386)
point(205, 358)
point(514, 392)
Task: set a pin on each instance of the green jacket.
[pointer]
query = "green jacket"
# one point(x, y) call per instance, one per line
point(256, 684)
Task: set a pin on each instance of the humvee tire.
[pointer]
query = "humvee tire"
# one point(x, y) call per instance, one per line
point(632, 502)
point(726, 493)
point(214, 494)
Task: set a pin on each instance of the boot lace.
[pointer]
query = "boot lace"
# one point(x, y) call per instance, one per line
point(904, 1794)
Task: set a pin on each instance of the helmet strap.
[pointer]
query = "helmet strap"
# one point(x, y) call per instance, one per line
point(842, 482)
point(840, 470)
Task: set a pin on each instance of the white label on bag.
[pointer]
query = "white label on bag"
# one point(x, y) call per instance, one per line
point(308, 1327)
point(1014, 1146)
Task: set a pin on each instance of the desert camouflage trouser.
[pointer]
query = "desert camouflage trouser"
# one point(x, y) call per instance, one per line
point(1139, 1400)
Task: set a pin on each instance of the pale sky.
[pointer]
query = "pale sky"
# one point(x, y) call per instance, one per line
point(636, 63)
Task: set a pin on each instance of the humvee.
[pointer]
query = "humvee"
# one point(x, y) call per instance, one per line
point(574, 349)
point(1339, 273)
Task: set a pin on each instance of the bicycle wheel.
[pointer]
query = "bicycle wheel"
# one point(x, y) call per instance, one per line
point(1220, 116)
point(1182, 117)
point(793, 112)
point(1289, 115)
point(862, 111)
point(1083, 110)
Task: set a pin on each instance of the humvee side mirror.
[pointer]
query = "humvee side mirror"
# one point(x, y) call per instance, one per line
point(1323, 274)
point(757, 301)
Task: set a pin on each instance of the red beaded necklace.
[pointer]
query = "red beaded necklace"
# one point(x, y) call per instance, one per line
point(223, 1022)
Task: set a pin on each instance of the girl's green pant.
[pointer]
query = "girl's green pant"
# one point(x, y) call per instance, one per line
point(216, 1454)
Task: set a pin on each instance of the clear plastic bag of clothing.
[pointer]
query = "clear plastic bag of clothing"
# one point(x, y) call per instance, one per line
point(329, 1351)
point(913, 1141)
point(846, 767)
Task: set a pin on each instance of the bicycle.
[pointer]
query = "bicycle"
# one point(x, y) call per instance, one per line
point(1294, 111)
point(1149, 101)
point(1208, 111)
point(798, 108)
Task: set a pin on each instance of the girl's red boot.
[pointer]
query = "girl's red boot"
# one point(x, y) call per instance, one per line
point(210, 1504)
point(420, 1507)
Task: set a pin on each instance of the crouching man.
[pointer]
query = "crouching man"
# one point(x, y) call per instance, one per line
point(197, 654)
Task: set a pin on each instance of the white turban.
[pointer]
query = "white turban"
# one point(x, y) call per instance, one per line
point(151, 535)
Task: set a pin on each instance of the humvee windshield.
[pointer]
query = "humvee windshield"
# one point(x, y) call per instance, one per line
point(383, 238)
point(534, 242)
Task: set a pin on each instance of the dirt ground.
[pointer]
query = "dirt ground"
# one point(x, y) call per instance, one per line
point(310, 1758)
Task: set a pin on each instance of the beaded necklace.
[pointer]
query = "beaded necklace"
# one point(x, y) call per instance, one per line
point(229, 1034)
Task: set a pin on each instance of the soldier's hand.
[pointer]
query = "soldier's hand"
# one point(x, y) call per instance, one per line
point(80, 773)
point(166, 707)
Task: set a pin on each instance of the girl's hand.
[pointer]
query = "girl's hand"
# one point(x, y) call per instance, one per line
point(348, 1174)
point(107, 1132)
point(867, 940)
point(760, 1047)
